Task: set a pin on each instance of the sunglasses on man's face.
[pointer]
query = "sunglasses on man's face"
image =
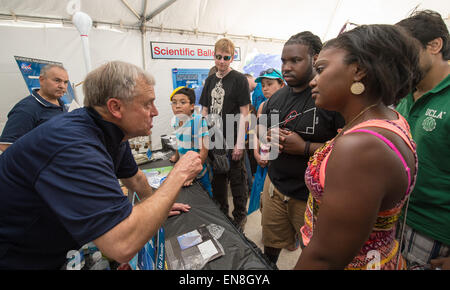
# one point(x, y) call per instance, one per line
point(226, 57)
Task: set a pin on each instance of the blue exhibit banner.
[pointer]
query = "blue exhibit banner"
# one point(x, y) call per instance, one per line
point(31, 68)
point(171, 50)
point(191, 78)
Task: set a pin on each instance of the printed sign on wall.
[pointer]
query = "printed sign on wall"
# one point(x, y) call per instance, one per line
point(191, 78)
point(171, 50)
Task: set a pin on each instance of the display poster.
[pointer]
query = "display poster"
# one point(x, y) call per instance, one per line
point(31, 68)
point(172, 50)
point(191, 78)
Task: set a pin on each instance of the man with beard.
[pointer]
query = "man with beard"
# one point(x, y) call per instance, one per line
point(304, 128)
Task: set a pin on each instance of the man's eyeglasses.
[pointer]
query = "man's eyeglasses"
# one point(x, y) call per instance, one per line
point(269, 71)
point(225, 57)
point(182, 103)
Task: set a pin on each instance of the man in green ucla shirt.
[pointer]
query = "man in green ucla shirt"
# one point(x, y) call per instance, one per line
point(427, 110)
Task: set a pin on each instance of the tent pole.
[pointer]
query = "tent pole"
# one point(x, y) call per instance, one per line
point(145, 20)
point(160, 9)
point(338, 3)
point(144, 41)
point(68, 22)
point(142, 28)
point(131, 9)
point(144, 36)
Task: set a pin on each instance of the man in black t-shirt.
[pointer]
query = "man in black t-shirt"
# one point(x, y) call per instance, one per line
point(304, 129)
point(227, 93)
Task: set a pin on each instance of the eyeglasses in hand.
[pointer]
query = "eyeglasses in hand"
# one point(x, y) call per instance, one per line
point(269, 71)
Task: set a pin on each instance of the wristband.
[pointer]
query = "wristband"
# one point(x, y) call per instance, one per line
point(307, 144)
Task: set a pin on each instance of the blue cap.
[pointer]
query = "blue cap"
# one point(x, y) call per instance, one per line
point(270, 73)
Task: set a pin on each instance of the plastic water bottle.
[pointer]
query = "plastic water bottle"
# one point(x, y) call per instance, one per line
point(149, 154)
point(91, 247)
point(88, 250)
point(264, 151)
point(100, 263)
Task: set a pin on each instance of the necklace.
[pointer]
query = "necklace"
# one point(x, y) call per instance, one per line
point(221, 75)
point(355, 118)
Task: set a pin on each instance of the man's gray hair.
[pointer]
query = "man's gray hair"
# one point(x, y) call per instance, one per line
point(47, 67)
point(115, 79)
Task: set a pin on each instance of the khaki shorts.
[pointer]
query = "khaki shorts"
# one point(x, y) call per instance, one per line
point(281, 217)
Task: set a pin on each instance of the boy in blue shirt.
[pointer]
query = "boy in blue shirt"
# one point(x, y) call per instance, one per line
point(191, 132)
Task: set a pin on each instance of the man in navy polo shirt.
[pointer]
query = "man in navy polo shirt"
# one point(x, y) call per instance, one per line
point(40, 106)
point(59, 184)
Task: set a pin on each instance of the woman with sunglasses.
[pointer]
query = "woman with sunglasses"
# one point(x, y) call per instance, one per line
point(227, 93)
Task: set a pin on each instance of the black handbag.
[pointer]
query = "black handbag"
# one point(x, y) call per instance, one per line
point(219, 161)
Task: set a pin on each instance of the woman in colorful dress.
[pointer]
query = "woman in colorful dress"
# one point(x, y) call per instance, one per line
point(360, 180)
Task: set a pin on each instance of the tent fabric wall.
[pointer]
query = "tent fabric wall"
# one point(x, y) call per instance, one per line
point(57, 44)
point(43, 43)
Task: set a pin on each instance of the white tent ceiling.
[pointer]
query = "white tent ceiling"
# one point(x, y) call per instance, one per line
point(254, 19)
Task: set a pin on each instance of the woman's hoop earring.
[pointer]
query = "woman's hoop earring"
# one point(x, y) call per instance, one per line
point(357, 88)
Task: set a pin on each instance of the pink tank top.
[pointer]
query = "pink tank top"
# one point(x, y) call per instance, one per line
point(382, 237)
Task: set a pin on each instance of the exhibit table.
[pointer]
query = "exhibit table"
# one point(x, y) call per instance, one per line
point(239, 252)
